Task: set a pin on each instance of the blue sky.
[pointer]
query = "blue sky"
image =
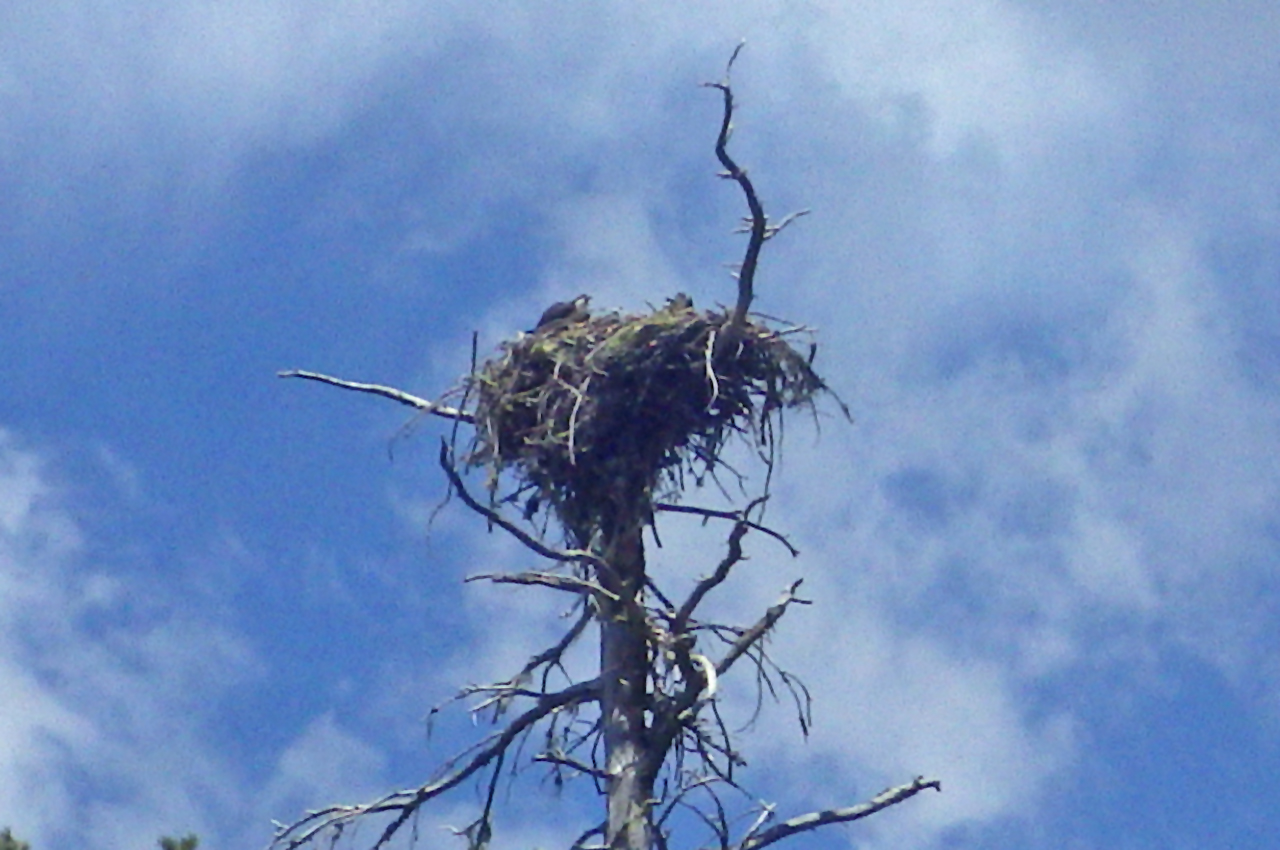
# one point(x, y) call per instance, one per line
point(1044, 260)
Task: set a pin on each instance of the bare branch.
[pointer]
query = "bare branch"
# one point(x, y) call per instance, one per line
point(552, 655)
point(573, 764)
point(580, 843)
point(480, 831)
point(748, 638)
point(759, 224)
point(681, 620)
point(737, 516)
point(658, 594)
point(699, 675)
point(813, 820)
point(565, 555)
point(502, 693)
point(571, 584)
point(772, 230)
point(408, 802)
point(386, 392)
point(500, 690)
point(767, 811)
point(706, 744)
point(800, 696)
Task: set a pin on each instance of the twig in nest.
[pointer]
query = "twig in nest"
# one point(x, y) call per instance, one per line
point(580, 396)
point(711, 371)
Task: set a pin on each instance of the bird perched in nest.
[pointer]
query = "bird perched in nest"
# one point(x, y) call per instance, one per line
point(679, 303)
point(565, 312)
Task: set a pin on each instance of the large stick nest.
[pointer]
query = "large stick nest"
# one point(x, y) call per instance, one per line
point(600, 416)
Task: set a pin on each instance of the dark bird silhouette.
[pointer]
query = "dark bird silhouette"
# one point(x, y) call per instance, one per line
point(565, 312)
point(680, 303)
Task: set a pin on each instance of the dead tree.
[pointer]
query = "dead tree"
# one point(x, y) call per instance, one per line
point(598, 423)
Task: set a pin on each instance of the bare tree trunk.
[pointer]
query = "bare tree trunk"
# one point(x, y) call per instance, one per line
point(624, 666)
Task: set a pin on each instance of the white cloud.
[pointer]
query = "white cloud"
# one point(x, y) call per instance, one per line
point(278, 70)
point(987, 532)
point(1056, 466)
point(1050, 358)
point(324, 764)
point(106, 685)
point(609, 248)
point(987, 68)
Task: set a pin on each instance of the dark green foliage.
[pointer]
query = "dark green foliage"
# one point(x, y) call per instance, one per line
point(190, 842)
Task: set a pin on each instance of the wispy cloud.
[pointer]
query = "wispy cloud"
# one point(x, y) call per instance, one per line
point(1041, 262)
point(109, 685)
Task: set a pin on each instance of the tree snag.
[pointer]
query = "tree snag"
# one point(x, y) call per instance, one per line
point(596, 424)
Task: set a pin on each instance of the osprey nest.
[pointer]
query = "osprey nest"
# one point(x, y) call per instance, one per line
point(596, 417)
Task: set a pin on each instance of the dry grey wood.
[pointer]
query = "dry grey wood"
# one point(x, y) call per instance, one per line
point(386, 392)
point(813, 820)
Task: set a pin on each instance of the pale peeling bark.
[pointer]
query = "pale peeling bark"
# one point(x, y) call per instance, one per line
point(624, 693)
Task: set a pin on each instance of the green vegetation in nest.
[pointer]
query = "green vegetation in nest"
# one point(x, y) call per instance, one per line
point(598, 414)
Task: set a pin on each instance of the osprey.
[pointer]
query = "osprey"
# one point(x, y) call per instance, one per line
point(566, 312)
point(679, 303)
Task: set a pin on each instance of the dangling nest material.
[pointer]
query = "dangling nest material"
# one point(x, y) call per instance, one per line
point(598, 417)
